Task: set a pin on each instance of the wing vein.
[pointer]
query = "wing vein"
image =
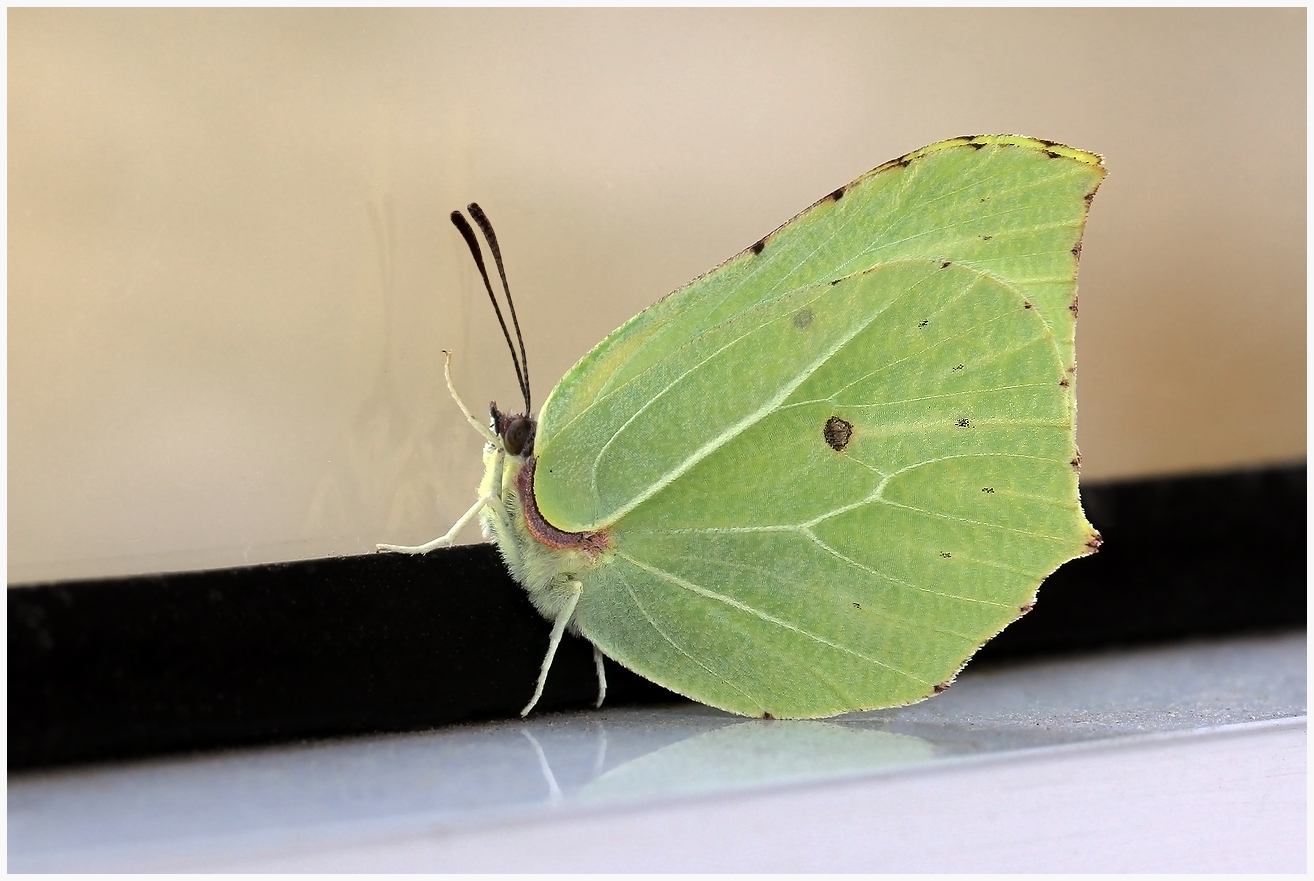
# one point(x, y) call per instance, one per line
point(770, 619)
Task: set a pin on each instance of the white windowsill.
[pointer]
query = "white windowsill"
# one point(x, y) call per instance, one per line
point(1184, 758)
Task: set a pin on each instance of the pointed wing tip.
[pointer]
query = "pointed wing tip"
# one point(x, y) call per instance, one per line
point(1053, 148)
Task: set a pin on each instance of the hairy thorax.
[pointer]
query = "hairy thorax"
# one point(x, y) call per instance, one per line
point(544, 559)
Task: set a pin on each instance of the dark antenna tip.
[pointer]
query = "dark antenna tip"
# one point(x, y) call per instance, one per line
point(486, 227)
point(517, 359)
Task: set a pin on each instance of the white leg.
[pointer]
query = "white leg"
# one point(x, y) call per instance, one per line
point(496, 491)
point(558, 630)
point(492, 500)
point(602, 676)
point(444, 541)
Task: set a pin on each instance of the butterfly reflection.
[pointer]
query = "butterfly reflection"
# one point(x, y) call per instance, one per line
point(635, 762)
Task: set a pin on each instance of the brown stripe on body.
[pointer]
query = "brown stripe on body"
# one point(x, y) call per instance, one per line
point(591, 543)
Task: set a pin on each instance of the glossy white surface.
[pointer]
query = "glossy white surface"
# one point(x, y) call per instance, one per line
point(1188, 757)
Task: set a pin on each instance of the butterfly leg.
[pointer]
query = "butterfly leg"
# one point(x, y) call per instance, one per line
point(492, 498)
point(558, 631)
point(602, 675)
point(444, 541)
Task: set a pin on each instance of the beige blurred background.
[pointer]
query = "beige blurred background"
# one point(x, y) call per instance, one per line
point(231, 271)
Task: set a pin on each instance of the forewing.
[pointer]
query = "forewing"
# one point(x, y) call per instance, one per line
point(1008, 206)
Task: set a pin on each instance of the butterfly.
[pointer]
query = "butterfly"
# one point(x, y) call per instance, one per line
point(819, 477)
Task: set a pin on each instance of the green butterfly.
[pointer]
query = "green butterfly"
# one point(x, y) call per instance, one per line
point(818, 478)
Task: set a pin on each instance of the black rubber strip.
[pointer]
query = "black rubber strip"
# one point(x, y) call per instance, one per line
point(140, 666)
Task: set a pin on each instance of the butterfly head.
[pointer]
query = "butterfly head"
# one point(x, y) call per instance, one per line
point(515, 430)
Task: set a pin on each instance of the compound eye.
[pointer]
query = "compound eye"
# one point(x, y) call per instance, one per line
point(519, 436)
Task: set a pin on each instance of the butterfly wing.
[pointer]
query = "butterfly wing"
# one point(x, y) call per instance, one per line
point(1009, 206)
point(835, 466)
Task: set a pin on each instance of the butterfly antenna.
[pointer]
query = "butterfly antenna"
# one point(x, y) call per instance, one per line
point(459, 221)
point(486, 227)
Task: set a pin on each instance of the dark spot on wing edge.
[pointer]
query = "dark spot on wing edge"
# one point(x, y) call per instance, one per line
point(757, 246)
point(837, 195)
